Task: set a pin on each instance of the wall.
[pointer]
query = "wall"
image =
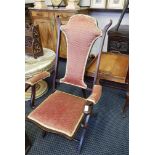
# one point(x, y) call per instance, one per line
point(29, 1)
point(103, 18)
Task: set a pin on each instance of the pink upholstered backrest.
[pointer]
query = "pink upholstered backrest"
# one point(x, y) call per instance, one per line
point(81, 31)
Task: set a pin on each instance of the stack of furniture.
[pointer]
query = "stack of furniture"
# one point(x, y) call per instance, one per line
point(118, 41)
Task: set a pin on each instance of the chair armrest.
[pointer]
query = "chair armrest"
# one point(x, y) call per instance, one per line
point(96, 94)
point(38, 77)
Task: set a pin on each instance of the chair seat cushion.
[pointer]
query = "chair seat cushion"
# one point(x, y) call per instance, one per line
point(60, 112)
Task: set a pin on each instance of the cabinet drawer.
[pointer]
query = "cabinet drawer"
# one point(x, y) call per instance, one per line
point(63, 16)
point(39, 14)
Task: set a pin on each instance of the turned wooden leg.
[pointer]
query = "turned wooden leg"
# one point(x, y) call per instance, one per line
point(33, 93)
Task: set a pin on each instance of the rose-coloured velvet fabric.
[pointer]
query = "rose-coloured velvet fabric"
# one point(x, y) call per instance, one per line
point(36, 78)
point(96, 94)
point(60, 112)
point(81, 31)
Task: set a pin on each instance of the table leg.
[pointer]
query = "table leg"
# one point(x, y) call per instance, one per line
point(41, 88)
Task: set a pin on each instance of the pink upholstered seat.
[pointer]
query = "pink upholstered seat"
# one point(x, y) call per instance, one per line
point(60, 112)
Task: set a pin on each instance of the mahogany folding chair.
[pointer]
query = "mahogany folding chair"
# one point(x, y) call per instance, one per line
point(61, 112)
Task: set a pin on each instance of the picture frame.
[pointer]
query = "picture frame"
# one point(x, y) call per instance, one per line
point(115, 4)
point(98, 4)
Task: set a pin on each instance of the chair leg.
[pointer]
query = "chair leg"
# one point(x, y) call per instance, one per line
point(81, 140)
point(84, 93)
point(33, 93)
point(83, 133)
point(126, 103)
point(28, 144)
point(44, 133)
point(27, 86)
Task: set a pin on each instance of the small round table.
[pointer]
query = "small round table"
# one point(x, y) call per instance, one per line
point(34, 66)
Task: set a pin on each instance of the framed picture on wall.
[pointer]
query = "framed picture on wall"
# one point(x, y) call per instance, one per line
point(115, 4)
point(98, 4)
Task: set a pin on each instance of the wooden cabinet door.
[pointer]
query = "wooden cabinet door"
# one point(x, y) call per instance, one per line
point(46, 27)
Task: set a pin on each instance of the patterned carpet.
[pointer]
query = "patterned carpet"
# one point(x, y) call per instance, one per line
point(108, 132)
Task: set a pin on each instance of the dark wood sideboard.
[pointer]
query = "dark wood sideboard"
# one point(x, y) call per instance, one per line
point(118, 41)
